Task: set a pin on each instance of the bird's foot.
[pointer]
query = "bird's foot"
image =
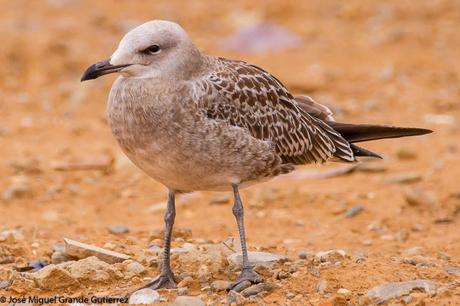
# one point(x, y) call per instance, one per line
point(246, 279)
point(162, 281)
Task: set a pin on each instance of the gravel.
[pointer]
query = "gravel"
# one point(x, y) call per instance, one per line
point(354, 211)
point(118, 229)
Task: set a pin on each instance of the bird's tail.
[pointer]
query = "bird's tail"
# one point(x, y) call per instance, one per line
point(366, 132)
point(356, 132)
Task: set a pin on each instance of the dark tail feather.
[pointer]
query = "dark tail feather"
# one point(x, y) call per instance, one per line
point(358, 151)
point(365, 132)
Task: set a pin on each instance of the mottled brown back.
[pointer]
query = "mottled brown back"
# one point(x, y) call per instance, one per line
point(247, 96)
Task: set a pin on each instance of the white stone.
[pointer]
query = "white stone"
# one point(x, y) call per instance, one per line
point(144, 297)
point(343, 291)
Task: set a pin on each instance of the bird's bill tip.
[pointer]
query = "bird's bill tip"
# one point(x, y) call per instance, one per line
point(99, 69)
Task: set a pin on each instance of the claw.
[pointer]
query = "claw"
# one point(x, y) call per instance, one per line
point(246, 278)
point(163, 281)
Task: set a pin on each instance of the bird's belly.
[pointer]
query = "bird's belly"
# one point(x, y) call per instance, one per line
point(187, 152)
point(183, 174)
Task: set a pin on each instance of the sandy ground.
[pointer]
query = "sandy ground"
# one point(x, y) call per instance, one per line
point(393, 62)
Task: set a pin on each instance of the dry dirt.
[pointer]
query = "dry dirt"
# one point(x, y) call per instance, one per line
point(393, 62)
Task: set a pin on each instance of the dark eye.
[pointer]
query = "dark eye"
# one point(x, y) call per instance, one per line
point(153, 49)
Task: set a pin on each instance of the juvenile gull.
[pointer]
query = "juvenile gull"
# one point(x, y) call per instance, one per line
point(197, 122)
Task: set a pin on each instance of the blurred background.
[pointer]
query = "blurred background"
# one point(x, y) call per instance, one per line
point(388, 62)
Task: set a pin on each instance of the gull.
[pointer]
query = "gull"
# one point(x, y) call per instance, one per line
point(193, 121)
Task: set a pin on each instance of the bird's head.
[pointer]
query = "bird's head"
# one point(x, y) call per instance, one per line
point(156, 48)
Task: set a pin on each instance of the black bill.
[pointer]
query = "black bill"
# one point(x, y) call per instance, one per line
point(101, 68)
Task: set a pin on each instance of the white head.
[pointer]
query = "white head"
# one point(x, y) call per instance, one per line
point(156, 48)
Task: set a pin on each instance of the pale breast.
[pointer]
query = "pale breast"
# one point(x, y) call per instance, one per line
point(178, 146)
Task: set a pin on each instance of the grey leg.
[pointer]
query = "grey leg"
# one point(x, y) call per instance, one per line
point(247, 274)
point(166, 277)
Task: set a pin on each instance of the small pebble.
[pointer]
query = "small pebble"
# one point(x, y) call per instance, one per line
point(353, 211)
point(332, 256)
point(220, 285)
point(414, 251)
point(28, 166)
point(203, 274)
point(418, 197)
point(4, 284)
point(235, 298)
point(16, 191)
point(135, 268)
point(154, 247)
point(73, 188)
point(186, 282)
point(314, 271)
point(408, 299)
point(360, 260)
point(261, 214)
point(321, 286)
point(282, 275)
point(188, 301)
point(59, 247)
point(144, 296)
point(256, 289)
point(118, 229)
point(404, 178)
point(290, 295)
point(343, 291)
point(444, 255)
point(59, 257)
point(38, 264)
point(11, 236)
point(387, 237)
point(182, 291)
point(453, 270)
point(305, 254)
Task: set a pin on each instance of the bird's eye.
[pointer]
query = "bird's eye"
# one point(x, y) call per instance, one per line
point(153, 49)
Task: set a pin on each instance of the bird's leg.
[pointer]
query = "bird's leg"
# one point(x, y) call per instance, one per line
point(166, 277)
point(247, 274)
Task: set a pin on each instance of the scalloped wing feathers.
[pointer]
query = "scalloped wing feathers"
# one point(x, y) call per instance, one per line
point(247, 96)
